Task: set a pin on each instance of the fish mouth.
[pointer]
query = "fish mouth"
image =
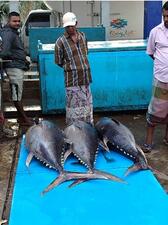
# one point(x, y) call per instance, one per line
point(66, 176)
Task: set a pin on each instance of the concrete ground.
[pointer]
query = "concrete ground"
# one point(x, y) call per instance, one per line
point(135, 121)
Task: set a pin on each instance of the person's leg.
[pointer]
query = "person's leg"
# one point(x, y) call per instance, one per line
point(1, 124)
point(149, 134)
point(165, 140)
point(89, 104)
point(79, 104)
point(157, 111)
point(16, 85)
point(2, 119)
point(22, 118)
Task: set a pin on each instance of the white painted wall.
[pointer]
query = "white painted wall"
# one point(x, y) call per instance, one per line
point(133, 13)
point(93, 13)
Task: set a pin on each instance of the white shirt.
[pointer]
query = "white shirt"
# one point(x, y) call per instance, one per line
point(158, 47)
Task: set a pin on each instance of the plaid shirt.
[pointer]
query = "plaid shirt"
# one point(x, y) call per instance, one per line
point(73, 58)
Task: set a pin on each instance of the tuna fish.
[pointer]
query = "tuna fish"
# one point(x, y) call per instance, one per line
point(84, 146)
point(114, 134)
point(47, 143)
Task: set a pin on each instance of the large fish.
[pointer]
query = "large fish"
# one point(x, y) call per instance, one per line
point(84, 146)
point(114, 134)
point(48, 144)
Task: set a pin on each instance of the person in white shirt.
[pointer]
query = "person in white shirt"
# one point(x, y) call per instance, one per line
point(157, 49)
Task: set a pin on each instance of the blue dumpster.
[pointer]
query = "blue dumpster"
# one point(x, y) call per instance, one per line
point(121, 72)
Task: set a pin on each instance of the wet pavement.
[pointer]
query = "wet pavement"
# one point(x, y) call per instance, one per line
point(135, 121)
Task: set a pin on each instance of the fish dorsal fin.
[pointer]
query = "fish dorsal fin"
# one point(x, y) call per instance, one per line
point(78, 126)
point(29, 158)
point(116, 121)
point(68, 141)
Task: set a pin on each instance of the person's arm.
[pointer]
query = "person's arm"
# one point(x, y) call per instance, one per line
point(59, 54)
point(86, 41)
point(7, 40)
point(152, 57)
point(151, 44)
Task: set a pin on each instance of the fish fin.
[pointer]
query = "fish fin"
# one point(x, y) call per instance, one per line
point(104, 175)
point(141, 151)
point(54, 183)
point(105, 141)
point(76, 182)
point(116, 121)
point(109, 160)
point(67, 153)
point(158, 173)
point(135, 167)
point(78, 126)
point(65, 176)
point(107, 176)
point(103, 144)
point(68, 141)
point(29, 159)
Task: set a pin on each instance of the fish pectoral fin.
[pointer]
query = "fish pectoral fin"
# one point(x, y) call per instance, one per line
point(68, 141)
point(108, 159)
point(103, 144)
point(67, 153)
point(29, 158)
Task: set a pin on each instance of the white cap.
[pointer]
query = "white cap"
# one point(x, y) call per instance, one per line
point(69, 19)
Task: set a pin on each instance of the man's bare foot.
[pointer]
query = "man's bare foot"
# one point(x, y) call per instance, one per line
point(165, 141)
point(26, 122)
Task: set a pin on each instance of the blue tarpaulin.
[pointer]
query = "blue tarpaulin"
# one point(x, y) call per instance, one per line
point(141, 201)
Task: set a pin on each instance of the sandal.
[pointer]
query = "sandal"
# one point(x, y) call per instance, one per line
point(147, 148)
point(165, 141)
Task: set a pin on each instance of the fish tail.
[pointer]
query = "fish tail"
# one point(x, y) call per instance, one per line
point(81, 177)
point(107, 176)
point(159, 173)
point(141, 163)
point(134, 168)
point(97, 174)
point(54, 183)
point(76, 182)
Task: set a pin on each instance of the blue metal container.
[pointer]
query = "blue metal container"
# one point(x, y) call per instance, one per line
point(49, 35)
point(121, 72)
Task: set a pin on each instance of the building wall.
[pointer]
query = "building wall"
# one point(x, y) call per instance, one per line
point(123, 19)
point(126, 20)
